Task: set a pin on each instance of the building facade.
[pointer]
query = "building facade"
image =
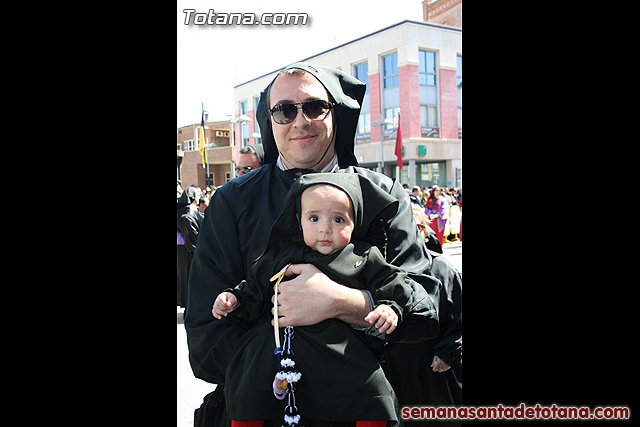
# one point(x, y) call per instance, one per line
point(443, 12)
point(222, 156)
point(413, 72)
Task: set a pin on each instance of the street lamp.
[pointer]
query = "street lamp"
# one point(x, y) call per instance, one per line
point(240, 120)
point(381, 124)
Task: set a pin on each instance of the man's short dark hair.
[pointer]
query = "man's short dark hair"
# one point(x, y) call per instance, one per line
point(247, 150)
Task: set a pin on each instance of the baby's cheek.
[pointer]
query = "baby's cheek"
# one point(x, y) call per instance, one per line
point(344, 238)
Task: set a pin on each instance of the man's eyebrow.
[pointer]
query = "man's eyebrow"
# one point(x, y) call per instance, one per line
point(284, 101)
point(288, 101)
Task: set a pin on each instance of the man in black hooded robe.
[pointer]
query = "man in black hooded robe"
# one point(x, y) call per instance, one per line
point(188, 224)
point(235, 230)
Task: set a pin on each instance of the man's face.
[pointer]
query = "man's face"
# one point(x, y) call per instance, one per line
point(247, 159)
point(203, 206)
point(302, 142)
point(197, 198)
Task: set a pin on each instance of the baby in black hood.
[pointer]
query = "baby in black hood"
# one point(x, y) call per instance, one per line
point(325, 215)
point(334, 221)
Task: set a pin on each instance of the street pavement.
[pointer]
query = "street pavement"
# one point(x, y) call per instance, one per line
point(191, 390)
point(453, 252)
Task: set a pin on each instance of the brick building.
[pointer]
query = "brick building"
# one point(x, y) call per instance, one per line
point(222, 156)
point(443, 12)
point(412, 68)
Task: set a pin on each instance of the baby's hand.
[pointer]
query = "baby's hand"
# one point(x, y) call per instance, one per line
point(224, 304)
point(387, 319)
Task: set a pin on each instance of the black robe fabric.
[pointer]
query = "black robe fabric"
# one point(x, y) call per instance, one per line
point(372, 207)
point(236, 229)
point(425, 387)
point(341, 377)
point(331, 356)
point(188, 226)
point(234, 234)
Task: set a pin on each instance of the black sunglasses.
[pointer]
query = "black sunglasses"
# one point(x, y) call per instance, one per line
point(284, 114)
point(243, 169)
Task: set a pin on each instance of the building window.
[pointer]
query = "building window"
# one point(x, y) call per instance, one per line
point(361, 72)
point(364, 123)
point(390, 93)
point(428, 116)
point(392, 114)
point(428, 95)
point(256, 100)
point(390, 69)
point(427, 68)
point(244, 127)
point(189, 145)
point(432, 173)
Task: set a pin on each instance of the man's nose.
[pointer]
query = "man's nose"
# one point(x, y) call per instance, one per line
point(301, 119)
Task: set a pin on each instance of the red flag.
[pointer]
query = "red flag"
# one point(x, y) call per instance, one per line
point(399, 145)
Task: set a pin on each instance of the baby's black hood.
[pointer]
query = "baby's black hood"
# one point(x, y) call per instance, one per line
point(347, 92)
point(370, 205)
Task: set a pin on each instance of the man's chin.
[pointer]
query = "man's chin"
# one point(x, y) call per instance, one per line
point(308, 156)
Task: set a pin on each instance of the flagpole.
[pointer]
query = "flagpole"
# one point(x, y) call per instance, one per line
point(204, 144)
point(208, 184)
point(207, 153)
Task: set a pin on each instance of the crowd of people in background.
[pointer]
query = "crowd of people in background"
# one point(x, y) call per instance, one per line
point(443, 208)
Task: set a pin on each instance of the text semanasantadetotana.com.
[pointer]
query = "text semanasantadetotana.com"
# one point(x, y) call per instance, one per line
point(521, 412)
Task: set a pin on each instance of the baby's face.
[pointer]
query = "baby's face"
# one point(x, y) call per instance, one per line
point(327, 218)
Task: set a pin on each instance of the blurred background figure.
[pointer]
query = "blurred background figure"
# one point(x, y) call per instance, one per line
point(437, 210)
point(250, 158)
point(188, 224)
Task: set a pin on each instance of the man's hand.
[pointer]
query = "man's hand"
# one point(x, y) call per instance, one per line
point(312, 297)
point(439, 365)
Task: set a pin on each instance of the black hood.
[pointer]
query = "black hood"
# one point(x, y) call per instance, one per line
point(347, 92)
point(187, 197)
point(370, 204)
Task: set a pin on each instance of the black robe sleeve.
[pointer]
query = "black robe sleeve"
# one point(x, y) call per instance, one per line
point(217, 264)
point(449, 343)
point(254, 294)
point(190, 228)
point(233, 233)
point(387, 285)
point(406, 249)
